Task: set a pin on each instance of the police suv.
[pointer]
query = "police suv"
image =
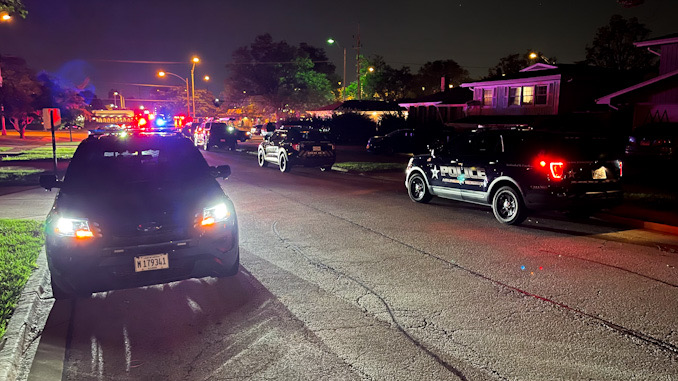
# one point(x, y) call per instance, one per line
point(517, 169)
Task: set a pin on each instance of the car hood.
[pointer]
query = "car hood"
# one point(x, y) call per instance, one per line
point(122, 211)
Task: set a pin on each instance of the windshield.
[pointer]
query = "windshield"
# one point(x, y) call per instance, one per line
point(116, 165)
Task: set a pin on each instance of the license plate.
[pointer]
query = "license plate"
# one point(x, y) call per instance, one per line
point(600, 174)
point(317, 148)
point(151, 262)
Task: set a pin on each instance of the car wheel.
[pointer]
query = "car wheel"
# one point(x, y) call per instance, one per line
point(283, 164)
point(417, 189)
point(58, 293)
point(508, 206)
point(261, 159)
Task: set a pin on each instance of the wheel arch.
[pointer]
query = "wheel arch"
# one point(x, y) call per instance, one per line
point(417, 170)
point(500, 182)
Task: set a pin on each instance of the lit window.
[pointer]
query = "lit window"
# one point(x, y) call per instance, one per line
point(528, 95)
point(487, 97)
point(514, 96)
point(541, 95)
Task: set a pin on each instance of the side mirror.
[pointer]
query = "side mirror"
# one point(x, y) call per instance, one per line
point(49, 181)
point(222, 171)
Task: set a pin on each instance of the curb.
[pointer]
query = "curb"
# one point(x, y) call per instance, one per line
point(26, 324)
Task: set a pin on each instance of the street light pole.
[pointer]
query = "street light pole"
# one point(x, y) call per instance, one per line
point(188, 94)
point(343, 83)
point(195, 61)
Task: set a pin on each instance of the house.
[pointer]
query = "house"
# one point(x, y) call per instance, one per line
point(656, 99)
point(441, 108)
point(540, 89)
point(373, 109)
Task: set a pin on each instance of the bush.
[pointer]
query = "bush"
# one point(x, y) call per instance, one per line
point(390, 123)
point(352, 128)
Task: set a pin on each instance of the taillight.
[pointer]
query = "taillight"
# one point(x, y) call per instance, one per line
point(621, 168)
point(296, 146)
point(556, 169)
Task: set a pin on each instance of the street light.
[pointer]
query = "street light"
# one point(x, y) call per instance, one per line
point(122, 99)
point(195, 60)
point(188, 94)
point(4, 16)
point(331, 41)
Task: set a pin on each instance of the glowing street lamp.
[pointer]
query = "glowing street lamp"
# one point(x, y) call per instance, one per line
point(195, 60)
point(4, 16)
point(331, 41)
point(122, 99)
point(188, 94)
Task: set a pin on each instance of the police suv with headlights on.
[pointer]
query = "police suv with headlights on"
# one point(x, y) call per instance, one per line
point(135, 209)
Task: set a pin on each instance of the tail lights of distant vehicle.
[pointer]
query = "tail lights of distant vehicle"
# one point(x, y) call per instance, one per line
point(296, 146)
point(620, 166)
point(73, 227)
point(212, 215)
point(555, 169)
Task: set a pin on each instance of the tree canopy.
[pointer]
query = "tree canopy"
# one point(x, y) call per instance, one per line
point(513, 63)
point(613, 48)
point(13, 7)
point(284, 76)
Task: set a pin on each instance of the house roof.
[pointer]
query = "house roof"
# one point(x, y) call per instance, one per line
point(607, 100)
point(330, 107)
point(541, 71)
point(663, 40)
point(360, 105)
point(454, 96)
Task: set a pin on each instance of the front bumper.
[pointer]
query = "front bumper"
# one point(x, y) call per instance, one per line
point(84, 268)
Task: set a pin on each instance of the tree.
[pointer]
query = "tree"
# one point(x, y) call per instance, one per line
point(20, 93)
point(383, 82)
point(279, 74)
point(66, 98)
point(514, 63)
point(13, 7)
point(613, 47)
point(430, 75)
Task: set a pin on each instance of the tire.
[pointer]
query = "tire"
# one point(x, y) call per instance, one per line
point(417, 189)
point(508, 206)
point(261, 159)
point(60, 294)
point(283, 163)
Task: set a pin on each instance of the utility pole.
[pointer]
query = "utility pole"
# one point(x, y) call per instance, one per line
point(357, 61)
point(2, 105)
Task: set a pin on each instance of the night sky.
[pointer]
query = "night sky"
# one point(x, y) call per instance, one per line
point(80, 39)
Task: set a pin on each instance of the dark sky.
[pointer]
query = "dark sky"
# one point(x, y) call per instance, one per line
point(79, 38)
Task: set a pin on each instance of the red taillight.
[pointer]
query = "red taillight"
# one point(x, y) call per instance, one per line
point(556, 169)
point(621, 168)
point(296, 146)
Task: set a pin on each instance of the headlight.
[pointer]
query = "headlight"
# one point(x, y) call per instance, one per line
point(217, 213)
point(73, 227)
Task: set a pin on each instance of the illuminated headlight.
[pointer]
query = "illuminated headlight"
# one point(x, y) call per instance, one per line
point(73, 227)
point(230, 129)
point(218, 213)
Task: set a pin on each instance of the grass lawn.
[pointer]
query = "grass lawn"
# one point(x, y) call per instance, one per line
point(3, 149)
point(13, 175)
point(20, 244)
point(369, 166)
point(63, 151)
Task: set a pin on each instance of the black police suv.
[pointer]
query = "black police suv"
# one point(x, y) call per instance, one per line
point(216, 134)
point(136, 209)
point(514, 170)
point(296, 145)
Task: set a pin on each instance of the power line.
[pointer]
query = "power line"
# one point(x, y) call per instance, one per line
point(141, 62)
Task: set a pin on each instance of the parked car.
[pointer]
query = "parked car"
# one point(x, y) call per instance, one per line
point(653, 141)
point(517, 170)
point(296, 145)
point(398, 141)
point(137, 209)
point(216, 135)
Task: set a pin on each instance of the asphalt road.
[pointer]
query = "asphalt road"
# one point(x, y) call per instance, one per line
point(343, 277)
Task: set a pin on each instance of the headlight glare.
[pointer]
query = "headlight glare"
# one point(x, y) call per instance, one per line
point(217, 213)
point(73, 227)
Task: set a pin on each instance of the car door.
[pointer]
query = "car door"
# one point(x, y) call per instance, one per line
point(273, 146)
point(478, 165)
point(444, 168)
